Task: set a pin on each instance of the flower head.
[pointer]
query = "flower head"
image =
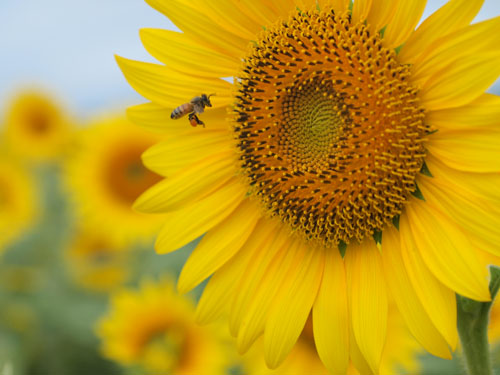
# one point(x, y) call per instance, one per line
point(353, 160)
point(35, 127)
point(105, 175)
point(154, 329)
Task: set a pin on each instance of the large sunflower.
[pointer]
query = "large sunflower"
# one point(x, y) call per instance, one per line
point(18, 200)
point(154, 330)
point(353, 159)
point(105, 175)
point(36, 128)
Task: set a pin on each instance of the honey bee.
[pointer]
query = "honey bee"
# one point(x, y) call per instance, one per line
point(193, 108)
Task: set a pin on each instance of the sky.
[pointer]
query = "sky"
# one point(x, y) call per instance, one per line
point(67, 48)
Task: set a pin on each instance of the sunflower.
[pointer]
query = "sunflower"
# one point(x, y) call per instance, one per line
point(96, 262)
point(353, 159)
point(105, 175)
point(154, 329)
point(36, 128)
point(18, 199)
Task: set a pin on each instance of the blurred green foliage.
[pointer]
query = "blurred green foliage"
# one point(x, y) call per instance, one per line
point(46, 320)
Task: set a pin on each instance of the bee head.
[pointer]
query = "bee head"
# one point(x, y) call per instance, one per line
point(206, 99)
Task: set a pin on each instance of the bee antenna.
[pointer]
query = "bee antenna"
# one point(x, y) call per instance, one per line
point(211, 95)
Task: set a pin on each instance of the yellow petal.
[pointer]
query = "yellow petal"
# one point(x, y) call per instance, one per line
point(330, 316)
point(447, 252)
point(219, 245)
point(407, 16)
point(153, 116)
point(170, 156)
point(406, 298)
point(469, 41)
point(186, 225)
point(470, 212)
point(264, 250)
point(157, 118)
point(368, 300)
point(233, 17)
point(438, 300)
point(195, 24)
point(222, 286)
point(381, 14)
point(360, 10)
point(188, 185)
point(339, 6)
point(292, 306)
point(179, 52)
point(482, 112)
point(281, 267)
point(452, 16)
point(358, 364)
point(472, 150)
point(461, 82)
point(170, 88)
point(483, 185)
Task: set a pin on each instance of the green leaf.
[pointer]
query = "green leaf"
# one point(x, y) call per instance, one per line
point(425, 170)
point(377, 236)
point(342, 248)
point(382, 31)
point(417, 193)
point(395, 221)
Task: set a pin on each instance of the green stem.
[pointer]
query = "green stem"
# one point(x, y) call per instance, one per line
point(473, 319)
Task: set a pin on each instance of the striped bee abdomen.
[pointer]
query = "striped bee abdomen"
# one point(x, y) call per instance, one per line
point(181, 110)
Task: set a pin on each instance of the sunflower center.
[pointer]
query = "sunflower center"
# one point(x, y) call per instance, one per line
point(167, 349)
point(329, 128)
point(310, 112)
point(125, 175)
point(38, 121)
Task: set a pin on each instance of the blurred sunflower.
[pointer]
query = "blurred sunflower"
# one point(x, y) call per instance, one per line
point(154, 329)
point(18, 200)
point(35, 128)
point(105, 175)
point(97, 263)
point(359, 159)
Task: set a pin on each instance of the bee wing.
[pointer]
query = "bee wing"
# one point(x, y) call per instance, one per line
point(198, 107)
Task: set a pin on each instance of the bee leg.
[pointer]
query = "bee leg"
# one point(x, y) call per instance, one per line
point(194, 120)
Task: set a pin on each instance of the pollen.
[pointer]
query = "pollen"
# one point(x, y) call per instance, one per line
point(329, 128)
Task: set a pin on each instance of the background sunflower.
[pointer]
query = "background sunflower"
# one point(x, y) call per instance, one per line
point(105, 175)
point(36, 128)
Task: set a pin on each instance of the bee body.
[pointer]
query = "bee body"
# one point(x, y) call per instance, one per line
point(182, 110)
point(193, 108)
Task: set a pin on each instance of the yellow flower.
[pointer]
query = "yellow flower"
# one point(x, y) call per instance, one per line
point(35, 128)
point(105, 175)
point(344, 131)
point(18, 199)
point(154, 329)
point(96, 262)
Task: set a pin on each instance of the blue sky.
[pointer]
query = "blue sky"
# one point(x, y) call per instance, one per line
point(68, 47)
